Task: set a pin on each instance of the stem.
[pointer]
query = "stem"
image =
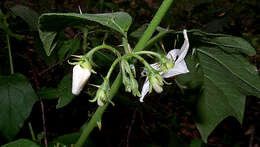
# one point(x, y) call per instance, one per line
point(103, 46)
point(10, 54)
point(141, 59)
point(126, 45)
point(117, 83)
point(112, 68)
point(99, 112)
point(154, 23)
point(31, 131)
point(149, 52)
point(156, 38)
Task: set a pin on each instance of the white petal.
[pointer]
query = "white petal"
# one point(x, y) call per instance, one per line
point(172, 54)
point(179, 68)
point(184, 49)
point(79, 78)
point(155, 66)
point(145, 89)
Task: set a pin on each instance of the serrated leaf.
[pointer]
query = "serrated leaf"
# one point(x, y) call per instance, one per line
point(16, 101)
point(119, 21)
point(228, 78)
point(27, 14)
point(64, 90)
point(21, 143)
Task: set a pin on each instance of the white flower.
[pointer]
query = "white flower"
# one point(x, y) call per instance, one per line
point(180, 67)
point(80, 77)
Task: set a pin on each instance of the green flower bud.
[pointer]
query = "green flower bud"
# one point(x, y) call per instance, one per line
point(156, 83)
point(103, 93)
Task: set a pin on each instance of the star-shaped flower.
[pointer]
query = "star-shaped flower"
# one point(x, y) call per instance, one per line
point(177, 57)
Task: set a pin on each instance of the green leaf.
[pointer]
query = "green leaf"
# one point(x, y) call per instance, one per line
point(233, 45)
point(69, 139)
point(119, 21)
point(196, 143)
point(27, 14)
point(64, 90)
point(227, 79)
point(47, 39)
point(68, 48)
point(21, 143)
point(48, 93)
point(16, 101)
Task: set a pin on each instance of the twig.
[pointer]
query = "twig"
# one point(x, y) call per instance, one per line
point(49, 68)
point(130, 128)
point(43, 123)
point(34, 72)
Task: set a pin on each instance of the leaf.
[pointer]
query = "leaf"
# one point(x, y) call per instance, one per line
point(48, 93)
point(139, 31)
point(227, 79)
point(21, 143)
point(16, 101)
point(119, 21)
point(68, 48)
point(27, 14)
point(47, 39)
point(72, 138)
point(64, 90)
point(233, 45)
point(196, 143)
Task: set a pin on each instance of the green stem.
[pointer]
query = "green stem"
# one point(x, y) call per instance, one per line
point(149, 52)
point(31, 131)
point(154, 23)
point(112, 68)
point(141, 59)
point(156, 38)
point(118, 81)
point(126, 45)
point(10, 54)
point(99, 112)
point(103, 46)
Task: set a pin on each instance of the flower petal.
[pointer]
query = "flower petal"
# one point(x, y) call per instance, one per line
point(179, 68)
point(172, 54)
point(79, 78)
point(184, 49)
point(145, 89)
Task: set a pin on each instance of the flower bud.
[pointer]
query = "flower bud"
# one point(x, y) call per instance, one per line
point(156, 82)
point(103, 92)
point(79, 78)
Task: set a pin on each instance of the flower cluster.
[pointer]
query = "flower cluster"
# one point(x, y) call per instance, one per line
point(176, 56)
point(168, 66)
